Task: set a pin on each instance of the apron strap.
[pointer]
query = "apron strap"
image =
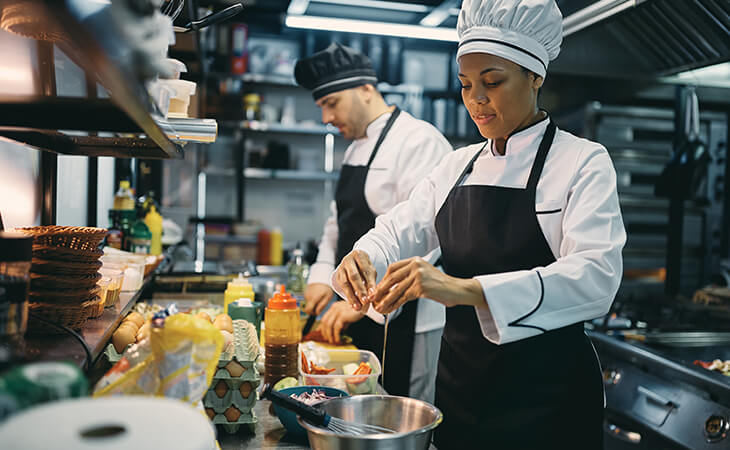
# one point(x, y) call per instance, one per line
point(467, 170)
point(383, 134)
point(542, 151)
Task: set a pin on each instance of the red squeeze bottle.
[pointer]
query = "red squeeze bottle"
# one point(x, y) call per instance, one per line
point(263, 247)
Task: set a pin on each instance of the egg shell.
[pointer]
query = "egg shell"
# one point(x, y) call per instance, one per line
point(210, 412)
point(224, 323)
point(204, 315)
point(135, 318)
point(232, 414)
point(235, 369)
point(143, 332)
point(245, 389)
point(130, 325)
point(122, 337)
point(221, 388)
point(227, 340)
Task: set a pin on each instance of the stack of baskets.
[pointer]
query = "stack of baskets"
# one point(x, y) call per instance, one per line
point(64, 276)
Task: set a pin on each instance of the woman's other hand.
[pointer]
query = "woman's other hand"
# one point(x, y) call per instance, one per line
point(356, 276)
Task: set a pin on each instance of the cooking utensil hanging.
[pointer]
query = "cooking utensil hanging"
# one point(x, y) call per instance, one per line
point(210, 19)
point(320, 418)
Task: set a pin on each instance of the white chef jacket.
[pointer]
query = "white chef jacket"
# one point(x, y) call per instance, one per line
point(410, 150)
point(578, 212)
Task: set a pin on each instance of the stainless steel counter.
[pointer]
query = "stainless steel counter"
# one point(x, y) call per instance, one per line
point(269, 433)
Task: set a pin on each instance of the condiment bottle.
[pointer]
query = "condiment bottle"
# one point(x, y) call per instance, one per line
point(124, 199)
point(153, 220)
point(277, 253)
point(281, 336)
point(236, 289)
point(263, 247)
point(140, 238)
point(244, 308)
point(115, 237)
point(298, 272)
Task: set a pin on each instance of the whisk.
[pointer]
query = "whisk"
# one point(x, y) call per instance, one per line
point(320, 417)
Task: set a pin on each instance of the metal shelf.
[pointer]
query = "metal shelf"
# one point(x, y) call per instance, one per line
point(259, 78)
point(267, 127)
point(275, 174)
point(230, 239)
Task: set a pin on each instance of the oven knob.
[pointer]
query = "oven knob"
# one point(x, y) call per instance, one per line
point(716, 428)
point(611, 377)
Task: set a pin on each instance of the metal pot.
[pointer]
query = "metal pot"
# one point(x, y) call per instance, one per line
point(413, 420)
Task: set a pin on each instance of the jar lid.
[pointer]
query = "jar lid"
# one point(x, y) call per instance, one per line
point(15, 246)
point(282, 300)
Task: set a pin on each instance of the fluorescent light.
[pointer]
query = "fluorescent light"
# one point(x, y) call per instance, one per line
point(368, 27)
point(439, 14)
point(594, 13)
point(379, 4)
point(717, 75)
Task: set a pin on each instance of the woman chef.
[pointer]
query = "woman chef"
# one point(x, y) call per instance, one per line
point(531, 234)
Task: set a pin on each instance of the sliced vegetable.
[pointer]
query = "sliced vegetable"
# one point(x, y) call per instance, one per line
point(305, 364)
point(363, 369)
point(318, 370)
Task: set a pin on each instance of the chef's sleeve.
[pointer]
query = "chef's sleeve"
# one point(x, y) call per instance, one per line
point(582, 282)
point(321, 270)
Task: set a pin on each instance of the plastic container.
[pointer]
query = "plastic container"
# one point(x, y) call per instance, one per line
point(337, 359)
point(116, 278)
point(277, 252)
point(180, 101)
point(124, 199)
point(298, 273)
point(133, 273)
point(15, 262)
point(103, 284)
point(281, 336)
point(237, 288)
point(153, 220)
point(175, 67)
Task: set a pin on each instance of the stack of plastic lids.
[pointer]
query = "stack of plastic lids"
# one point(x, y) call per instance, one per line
point(232, 395)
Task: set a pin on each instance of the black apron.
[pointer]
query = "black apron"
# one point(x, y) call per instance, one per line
point(541, 392)
point(354, 219)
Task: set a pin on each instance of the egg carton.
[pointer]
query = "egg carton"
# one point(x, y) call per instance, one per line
point(238, 360)
point(220, 398)
point(248, 420)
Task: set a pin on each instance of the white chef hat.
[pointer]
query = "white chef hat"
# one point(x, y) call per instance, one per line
point(526, 32)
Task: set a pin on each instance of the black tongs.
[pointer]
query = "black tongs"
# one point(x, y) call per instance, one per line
point(211, 19)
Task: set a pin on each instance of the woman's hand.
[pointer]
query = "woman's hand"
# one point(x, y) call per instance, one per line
point(356, 276)
point(414, 278)
point(337, 318)
point(317, 296)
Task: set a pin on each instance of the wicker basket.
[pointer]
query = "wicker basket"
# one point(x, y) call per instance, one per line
point(40, 282)
point(73, 316)
point(77, 238)
point(64, 296)
point(64, 268)
point(98, 308)
point(66, 254)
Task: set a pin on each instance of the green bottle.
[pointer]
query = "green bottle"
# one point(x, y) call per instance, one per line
point(141, 238)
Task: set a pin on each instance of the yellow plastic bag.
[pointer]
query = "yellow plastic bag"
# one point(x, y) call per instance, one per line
point(178, 361)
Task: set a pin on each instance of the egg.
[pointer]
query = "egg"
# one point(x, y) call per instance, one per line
point(122, 337)
point(143, 332)
point(204, 315)
point(210, 412)
point(235, 369)
point(131, 326)
point(220, 389)
point(224, 323)
point(136, 318)
point(245, 389)
point(227, 340)
point(232, 414)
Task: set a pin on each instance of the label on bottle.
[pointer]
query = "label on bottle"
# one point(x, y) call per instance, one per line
point(114, 239)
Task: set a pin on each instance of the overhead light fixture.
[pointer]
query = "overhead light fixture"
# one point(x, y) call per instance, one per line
point(439, 14)
point(717, 75)
point(594, 13)
point(369, 27)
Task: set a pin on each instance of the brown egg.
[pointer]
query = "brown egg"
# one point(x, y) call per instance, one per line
point(232, 414)
point(135, 318)
point(122, 337)
point(235, 369)
point(144, 332)
point(224, 323)
point(245, 389)
point(130, 325)
point(210, 412)
point(204, 315)
point(221, 388)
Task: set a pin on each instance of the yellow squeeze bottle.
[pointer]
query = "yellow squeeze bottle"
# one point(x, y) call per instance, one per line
point(237, 288)
point(153, 220)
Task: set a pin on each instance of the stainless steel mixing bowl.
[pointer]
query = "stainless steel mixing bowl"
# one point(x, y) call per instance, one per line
point(413, 420)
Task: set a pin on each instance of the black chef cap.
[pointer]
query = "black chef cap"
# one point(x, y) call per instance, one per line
point(334, 69)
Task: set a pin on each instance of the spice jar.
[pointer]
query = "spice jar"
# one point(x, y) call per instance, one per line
point(15, 256)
